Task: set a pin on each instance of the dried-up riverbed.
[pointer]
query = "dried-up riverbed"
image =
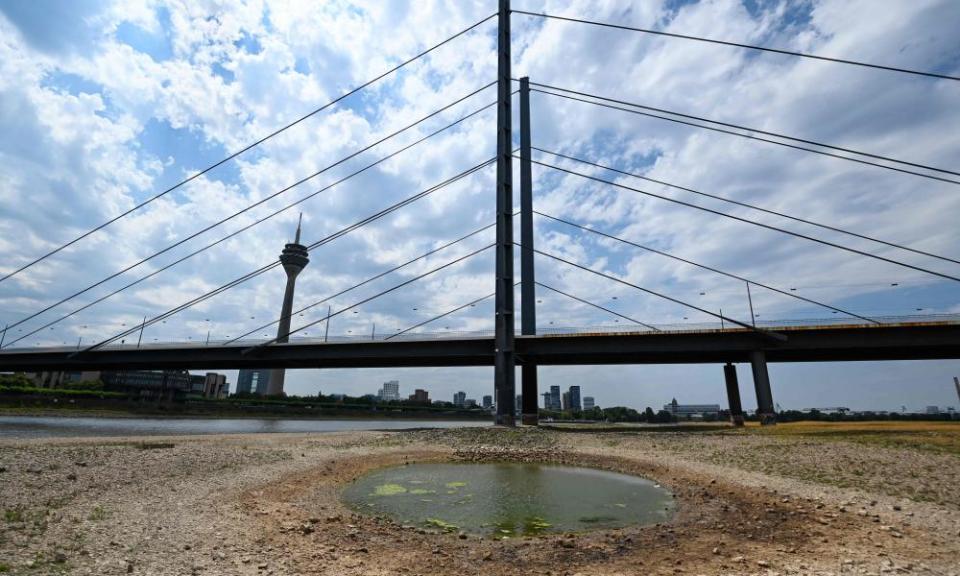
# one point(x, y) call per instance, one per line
point(270, 504)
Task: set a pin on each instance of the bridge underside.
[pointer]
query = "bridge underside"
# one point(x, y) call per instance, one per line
point(852, 343)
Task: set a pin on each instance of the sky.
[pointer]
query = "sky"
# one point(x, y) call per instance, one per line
point(103, 105)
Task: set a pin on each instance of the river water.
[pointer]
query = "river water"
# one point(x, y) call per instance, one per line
point(53, 426)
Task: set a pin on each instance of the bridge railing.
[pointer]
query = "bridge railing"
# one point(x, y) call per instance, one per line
point(618, 328)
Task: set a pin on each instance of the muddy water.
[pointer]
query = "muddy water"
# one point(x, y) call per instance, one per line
point(507, 499)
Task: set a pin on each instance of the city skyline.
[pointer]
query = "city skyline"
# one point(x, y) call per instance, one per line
point(649, 389)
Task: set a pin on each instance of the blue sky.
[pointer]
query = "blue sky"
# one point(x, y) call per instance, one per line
point(105, 104)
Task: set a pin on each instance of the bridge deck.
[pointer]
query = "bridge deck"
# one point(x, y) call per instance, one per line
point(835, 342)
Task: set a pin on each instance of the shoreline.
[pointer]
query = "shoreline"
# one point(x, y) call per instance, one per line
point(86, 413)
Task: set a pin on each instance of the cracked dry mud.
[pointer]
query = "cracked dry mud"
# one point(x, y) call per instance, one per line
point(269, 504)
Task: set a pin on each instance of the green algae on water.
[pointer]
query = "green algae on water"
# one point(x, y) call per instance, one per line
point(389, 490)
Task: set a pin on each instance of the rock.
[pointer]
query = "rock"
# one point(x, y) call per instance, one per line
point(739, 559)
point(716, 550)
point(71, 476)
point(763, 564)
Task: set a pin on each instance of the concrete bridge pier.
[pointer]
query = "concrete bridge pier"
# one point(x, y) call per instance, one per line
point(761, 382)
point(733, 394)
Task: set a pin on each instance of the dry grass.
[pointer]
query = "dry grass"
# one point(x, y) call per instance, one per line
point(941, 437)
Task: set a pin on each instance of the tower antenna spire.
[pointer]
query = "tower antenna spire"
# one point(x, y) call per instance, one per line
point(299, 222)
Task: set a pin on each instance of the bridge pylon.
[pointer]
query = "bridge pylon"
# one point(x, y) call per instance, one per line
point(761, 383)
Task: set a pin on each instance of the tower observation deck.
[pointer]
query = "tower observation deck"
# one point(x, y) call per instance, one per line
point(294, 259)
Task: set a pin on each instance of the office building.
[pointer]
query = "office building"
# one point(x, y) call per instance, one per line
point(162, 384)
point(253, 381)
point(420, 396)
point(210, 385)
point(390, 391)
point(57, 379)
point(459, 399)
point(547, 401)
point(588, 403)
point(555, 398)
point(565, 402)
point(691, 410)
point(574, 398)
point(488, 401)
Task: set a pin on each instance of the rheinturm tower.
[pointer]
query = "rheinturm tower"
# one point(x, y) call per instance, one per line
point(294, 259)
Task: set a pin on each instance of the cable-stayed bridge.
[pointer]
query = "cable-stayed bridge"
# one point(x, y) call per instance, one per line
point(843, 335)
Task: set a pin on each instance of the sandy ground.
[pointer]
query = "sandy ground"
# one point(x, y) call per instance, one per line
point(269, 504)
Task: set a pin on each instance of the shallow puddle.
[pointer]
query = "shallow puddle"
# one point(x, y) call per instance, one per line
point(507, 499)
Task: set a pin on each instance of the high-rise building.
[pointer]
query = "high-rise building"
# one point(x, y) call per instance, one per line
point(565, 404)
point(488, 401)
point(294, 259)
point(459, 399)
point(555, 398)
point(518, 406)
point(390, 391)
point(575, 398)
point(420, 396)
point(547, 401)
point(588, 403)
point(253, 381)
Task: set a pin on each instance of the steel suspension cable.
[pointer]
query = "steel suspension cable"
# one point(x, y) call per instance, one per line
point(753, 207)
point(739, 45)
point(705, 267)
point(749, 137)
point(274, 264)
point(660, 295)
point(445, 314)
point(753, 222)
point(371, 298)
point(248, 147)
point(758, 131)
point(255, 223)
point(757, 138)
point(605, 309)
point(365, 282)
